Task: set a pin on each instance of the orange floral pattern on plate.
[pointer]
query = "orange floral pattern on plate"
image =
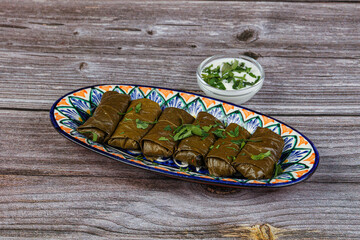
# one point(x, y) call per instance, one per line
point(186, 96)
point(66, 129)
point(105, 88)
point(285, 129)
point(58, 117)
point(255, 181)
point(98, 147)
point(126, 88)
point(208, 102)
point(145, 90)
point(169, 95)
point(310, 160)
point(229, 180)
point(63, 102)
point(302, 141)
point(300, 173)
point(137, 161)
point(207, 177)
point(246, 113)
point(161, 168)
point(279, 181)
point(228, 107)
point(165, 92)
point(267, 120)
point(81, 93)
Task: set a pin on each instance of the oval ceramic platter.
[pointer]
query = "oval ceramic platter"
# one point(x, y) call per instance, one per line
point(298, 161)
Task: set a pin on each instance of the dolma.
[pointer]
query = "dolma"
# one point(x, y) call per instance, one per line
point(193, 149)
point(138, 120)
point(106, 117)
point(258, 157)
point(158, 142)
point(224, 150)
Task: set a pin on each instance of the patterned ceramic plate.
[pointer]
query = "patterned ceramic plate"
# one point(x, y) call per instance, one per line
point(298, 161)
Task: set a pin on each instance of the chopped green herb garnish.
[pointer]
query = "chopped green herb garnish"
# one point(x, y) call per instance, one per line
point(127, 119)
point(217, 147)
point(95, 137)
point(211, 147)
point(196, 130)
point(138, 108)
point(235, 64)
point(143, 124)
point(168, 128)
point(260, 156)
point(188, 130)
point(234, 133)
point(242, 154)
point(205, 134)
point(219, 133)
point(278, 170)
point(207, 128)
point(217, 124)
point(236, 84)
point(125, 112)
point(215, 77)
point(231, 158)
point(232, 148)
point(252, 75)
point(240, 141)
point(182, 132)
point(226, 68)
point(221, 86)
point(184, 169)
point(163, 139)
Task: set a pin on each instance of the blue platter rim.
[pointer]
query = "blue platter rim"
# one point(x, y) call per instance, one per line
point(180, 176)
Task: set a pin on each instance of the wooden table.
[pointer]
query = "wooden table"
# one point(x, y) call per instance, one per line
point(52, 188)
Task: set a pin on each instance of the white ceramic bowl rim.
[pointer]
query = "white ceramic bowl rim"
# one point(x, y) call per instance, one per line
point(229, 92)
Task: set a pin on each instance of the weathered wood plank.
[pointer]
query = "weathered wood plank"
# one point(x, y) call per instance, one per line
point(38, 206)
point(71, 192)
point(52, 188)
point(59, 46)
point(182, 28)
point(30, 146)
point(322, 86)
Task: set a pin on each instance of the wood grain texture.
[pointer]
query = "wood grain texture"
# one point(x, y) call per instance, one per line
point(321, 86)
point(61, 189)
point(51, 188)
point(310, 52)
point(182, 28)
point(25, 142)
point(147, 208)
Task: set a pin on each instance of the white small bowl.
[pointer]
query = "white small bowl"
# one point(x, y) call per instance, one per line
point(234, 96)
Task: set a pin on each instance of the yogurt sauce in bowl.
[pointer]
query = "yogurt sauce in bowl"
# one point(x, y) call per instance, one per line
point(249, 66)
point(233, 79)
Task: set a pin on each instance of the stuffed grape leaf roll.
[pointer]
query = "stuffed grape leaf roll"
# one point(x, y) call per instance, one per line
point(193, 149)
point(138, 120)
point(258, 157)
point(105, 119)
point(158, 142)
point(224, 151)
